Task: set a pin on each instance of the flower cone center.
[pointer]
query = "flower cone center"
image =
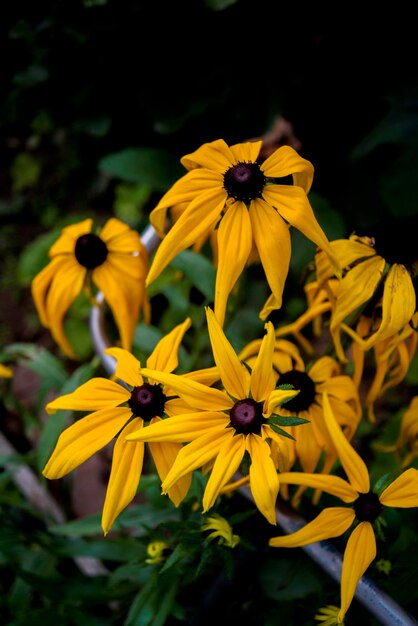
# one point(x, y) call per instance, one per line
point(367, 507)
point(246, 416)
point(304, 383)
point(244, 181)
point(147, 401)
point(90, 251)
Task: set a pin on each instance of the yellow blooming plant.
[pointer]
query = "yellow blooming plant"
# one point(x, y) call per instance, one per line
point(112, 260)
point(248, 203)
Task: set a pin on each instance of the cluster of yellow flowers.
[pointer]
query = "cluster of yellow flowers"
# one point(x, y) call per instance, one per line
point(292, 421)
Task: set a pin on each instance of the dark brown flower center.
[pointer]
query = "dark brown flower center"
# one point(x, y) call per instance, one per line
point(90, 251)
point(147, 401)
point(305, 385)
point(244, 181)
point(367, 507)
point(247, 416)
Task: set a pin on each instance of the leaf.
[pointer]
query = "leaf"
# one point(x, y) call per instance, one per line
point(149, 166)
point(279, 420)
point(198, 269)
point(35, 257)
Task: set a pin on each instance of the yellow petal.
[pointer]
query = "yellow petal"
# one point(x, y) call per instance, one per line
point(181, 428)
point(285, 162)
point(97, 393)
point(127, 366)
point(5, 372)
point(331, 522)
point(347, 251)
point(359, 553)
point(227, 462)
point(247, 152)
point(277, 397)
point(263, 379)
point(165, 354)
point(164, 455)
point(403, 491)
point(194, 393)
point(293, 205)
point(84, 438)
point(352, 463)
point(272, 238)
point(41, 284)
point(124, 476)
point(264, 481)
point(333, 485)
point(215, 155)
point(234, 375)
point(234, 247)
point(65, 244)
point(195, 455)
point(198, 219)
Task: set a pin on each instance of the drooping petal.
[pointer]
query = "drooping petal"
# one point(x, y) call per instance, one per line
point(65, 243)
point(293, 205)
point(182, 428)
point(96, 393)
point(42, 282)
point(215, 155)
point(331, 522)
point(196, 455)
point(199, 218)
point(234, 247)
point(84, 438)
point(124, 476)
point(195, 394)
point(333, 485)
point(264, 480)
point(353, 464)
point(127, 366)
point(227, 462)
point(347, 251)
point(165, 354)
point(234, 375)
point(285, 162)
point(263, 378)
point(272, 238)
point(360, 551)
point(403, 491)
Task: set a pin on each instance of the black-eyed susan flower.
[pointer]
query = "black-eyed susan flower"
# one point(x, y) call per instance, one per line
point(238, 419)
point(361, 515)
point(229, 191)
point(113, 261)
point(378, 280)
point(114, 411)
point(221, 530)
point(312, 444)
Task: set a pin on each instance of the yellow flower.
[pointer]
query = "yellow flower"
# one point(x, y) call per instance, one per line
point(5, 372)
point(116, 410)
point(157, 551)
point(233, 421)
point(378, 273)
point(366, 507)
point(114, 261)
point(229, 191)
point(220, 528)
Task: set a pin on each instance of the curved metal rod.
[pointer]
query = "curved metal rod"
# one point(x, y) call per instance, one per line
point(376, 601)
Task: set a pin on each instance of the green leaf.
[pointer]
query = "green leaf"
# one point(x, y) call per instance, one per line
point(25, 171)
point(35, 257)
point(280, 420)
point(149, 166)
point(282, 432)
point(198, 269)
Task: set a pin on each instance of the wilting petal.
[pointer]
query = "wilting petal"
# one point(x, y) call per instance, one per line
point(352, 463)
point(331, 522)
point(84, 438)
point(195, 455)
point(359, 553)
point(272, 238)
point(333, 485)
point(263, 378)
point(264, 481)
point(182, 428)
point(227, 462)
point(234, 375)
point(42, 282)
point(234, 247)
point(285, 162)
point(198, 219)
point(96, 393)
point(127, 366)
point(277, 397)
point(164, 455)
point(403, 491)
point(215, 155)
point(195, 394)
point(293, 205)
point(347, 251)
point(165, 354)
point(124, 476)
